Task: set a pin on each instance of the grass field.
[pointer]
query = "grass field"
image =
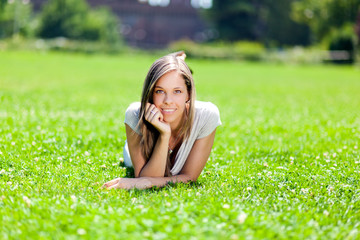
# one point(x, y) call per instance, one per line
point(285, 164)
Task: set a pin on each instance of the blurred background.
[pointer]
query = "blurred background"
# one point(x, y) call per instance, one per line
point(291, 31)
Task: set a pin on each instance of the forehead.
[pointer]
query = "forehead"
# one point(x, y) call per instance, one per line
point(171, 80)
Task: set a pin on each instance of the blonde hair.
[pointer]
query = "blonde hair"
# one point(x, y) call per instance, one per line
point(149, 135)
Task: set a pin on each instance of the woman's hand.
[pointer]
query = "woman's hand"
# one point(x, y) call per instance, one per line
point(154, 116)
point(128, 183)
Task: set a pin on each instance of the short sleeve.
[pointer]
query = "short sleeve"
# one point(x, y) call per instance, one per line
point(132, 117)
point(211, 119)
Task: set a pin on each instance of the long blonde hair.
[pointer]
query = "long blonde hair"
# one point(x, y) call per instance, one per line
point(149, 135)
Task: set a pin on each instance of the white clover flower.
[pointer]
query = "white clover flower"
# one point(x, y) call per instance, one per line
point(33, 143)
point(73, 198)
point(327, 160)
point(292, 158)
point(27, 201)
point(317, 157)
point(121, 160)
point(356, 147)
point(326, 213)
point(334, 155)
point(304, 190)
point(266, 165)
point(1, 152)
point(2, 171)
point(249, 188)
point(226, 206)
point(81, 231)
point(234, 237)
point(87, 153)
point(88, 161)
point(241, 218)
point(103, 166)
point(36, 159)
point(13, 143)
point(232, 152)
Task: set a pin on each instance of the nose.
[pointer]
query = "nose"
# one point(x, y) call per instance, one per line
point(168, 98)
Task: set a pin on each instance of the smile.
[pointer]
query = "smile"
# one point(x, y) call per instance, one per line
point(168, 110)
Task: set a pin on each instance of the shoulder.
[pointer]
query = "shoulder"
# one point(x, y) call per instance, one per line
point(133, 110)
point(206, 108)
point(132, 116)
point(207, 118)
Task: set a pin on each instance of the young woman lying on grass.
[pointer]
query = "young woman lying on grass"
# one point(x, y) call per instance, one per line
point(169, 134)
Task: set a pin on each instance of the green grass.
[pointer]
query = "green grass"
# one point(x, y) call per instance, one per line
point(285, 163)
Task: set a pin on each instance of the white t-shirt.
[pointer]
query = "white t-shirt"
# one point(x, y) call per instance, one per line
point(207, 118)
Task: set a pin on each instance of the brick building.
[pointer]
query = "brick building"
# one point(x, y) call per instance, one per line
point(154, 23)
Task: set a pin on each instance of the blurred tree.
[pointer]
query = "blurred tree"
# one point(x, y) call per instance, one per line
point(2, 5)
point(357, 27)
point(260, 20)
point(324, 15)
point(235, 19)
point(15, 18)
point(75, 20)
point(281, 29)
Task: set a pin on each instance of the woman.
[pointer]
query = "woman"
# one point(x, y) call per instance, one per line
point(169, 134)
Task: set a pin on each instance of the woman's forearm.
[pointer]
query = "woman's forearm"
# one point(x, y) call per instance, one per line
point(156, 165)
point(148, 182)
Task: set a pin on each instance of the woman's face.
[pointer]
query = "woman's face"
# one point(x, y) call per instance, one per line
point(170, 96)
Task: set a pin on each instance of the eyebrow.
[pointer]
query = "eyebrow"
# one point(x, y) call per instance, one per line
point(163, 88)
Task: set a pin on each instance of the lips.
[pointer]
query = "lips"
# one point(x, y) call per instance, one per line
point(168, 110)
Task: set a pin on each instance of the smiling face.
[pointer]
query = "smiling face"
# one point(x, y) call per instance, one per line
point(169, 96)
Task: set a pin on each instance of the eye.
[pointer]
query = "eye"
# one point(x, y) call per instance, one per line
point(159, 91)
point(177, 91)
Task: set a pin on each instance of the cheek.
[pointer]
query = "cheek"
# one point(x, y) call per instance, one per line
point(156, 100)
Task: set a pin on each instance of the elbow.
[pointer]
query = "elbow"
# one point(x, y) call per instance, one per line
point(189, 178)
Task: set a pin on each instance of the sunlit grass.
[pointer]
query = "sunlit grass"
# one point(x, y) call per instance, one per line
point(285, 163)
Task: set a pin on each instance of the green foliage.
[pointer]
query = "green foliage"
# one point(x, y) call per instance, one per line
point(343, 39)
point(285, 163)
point(16, 18)
point(241, 50)
point(323, 16)
point(265, 21)
point(75, 20)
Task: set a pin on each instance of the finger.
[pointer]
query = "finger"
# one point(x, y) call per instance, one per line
point(111, 183)
point(161, 117)
point(152, 113)
point(149, 111)
point(156, 117)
